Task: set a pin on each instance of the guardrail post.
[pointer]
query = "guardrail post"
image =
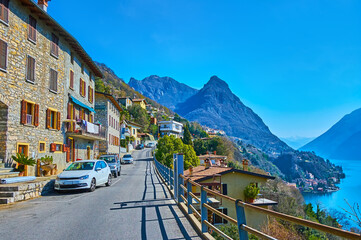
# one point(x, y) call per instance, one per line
point(171, 179)
point(175, 179)
point(189, 197)
point(204, 210)
point(180, 170)
point(241, 219)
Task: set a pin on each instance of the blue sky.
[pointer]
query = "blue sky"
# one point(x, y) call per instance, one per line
point(297, 64)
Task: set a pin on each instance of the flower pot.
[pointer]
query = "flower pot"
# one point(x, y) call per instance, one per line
point(250, 200)
point(21, 174)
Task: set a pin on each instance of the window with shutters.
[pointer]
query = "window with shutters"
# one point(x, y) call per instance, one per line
point(53, 81)
point(52, 119)
point(56, 147)
point(29, 113)
point(71, 79)
point(82, 89)
point(30, 69)
point(54, 48)
point(90, 94)
point(3, 55)
point(32, 29)
point(4, 11)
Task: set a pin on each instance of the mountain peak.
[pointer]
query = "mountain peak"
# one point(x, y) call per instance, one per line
point(215, 81)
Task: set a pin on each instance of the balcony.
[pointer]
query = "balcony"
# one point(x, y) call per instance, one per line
point(85, 130)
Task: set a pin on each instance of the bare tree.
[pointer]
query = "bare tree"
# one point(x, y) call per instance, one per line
point(353, 213)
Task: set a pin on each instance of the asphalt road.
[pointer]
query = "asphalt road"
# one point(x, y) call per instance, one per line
point(136, 206)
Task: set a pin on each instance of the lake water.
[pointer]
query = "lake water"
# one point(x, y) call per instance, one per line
point(350, 188)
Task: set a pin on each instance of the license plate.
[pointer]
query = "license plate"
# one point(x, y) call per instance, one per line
point(68, 183)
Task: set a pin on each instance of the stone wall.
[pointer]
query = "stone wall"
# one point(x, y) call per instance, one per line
point(14, 88)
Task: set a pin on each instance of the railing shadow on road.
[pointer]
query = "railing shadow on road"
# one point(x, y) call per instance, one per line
point(155, 204)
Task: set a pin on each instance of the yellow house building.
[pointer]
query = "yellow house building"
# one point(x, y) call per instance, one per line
point(134, 129)
point(231, 182)
point(141, 102)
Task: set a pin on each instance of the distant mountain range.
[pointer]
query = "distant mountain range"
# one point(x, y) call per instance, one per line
point(119, 88)
point(214, 106)
point(341, 141)
point(164, 90)
point(297, 142)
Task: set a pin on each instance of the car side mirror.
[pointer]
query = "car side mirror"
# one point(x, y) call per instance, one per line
point(98, 169)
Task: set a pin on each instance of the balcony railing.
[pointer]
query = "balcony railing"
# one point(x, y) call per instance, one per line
point(85, 129)
point(182, 188)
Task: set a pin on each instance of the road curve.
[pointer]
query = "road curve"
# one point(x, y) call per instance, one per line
point(136, 206)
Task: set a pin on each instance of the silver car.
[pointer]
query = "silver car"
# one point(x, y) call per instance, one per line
point(127, 159)
point(113, 162)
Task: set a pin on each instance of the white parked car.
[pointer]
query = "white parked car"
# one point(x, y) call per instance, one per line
point(127, 159)
point(85, 174)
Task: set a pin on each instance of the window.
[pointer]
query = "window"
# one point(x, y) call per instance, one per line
point(54, 49)
point(72, 58)
point(82, 88)
point(103, 164)
point(90, 76)
point(32, 29)
point(53, 81)
point(56, 147)
point(30, 69)
point(82, 68)
point(3, 54)
point(71, 79)
point(42, 146)
point(52, 119)
point(29, 113)
point(218, 219)
point(90, 94)
point(4, 11)
point(224, 189)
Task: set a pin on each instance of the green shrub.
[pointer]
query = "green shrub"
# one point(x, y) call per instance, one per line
point(251, 191)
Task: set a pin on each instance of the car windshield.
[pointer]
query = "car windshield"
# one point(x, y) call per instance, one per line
point(108, 159)
point(127, 156)
point(76, 166)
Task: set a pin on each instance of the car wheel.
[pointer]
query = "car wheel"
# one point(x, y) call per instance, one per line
point(109, 181)
point(119, 172)
point(115, 175)
point(92, 185)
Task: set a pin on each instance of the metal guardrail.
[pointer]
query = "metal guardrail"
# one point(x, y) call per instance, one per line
point(186, 195)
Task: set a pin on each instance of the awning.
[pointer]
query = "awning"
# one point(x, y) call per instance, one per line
point(77, 102)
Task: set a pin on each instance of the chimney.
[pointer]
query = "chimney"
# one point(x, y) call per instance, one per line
point(43, 4)
point(245, 164)
point(223, 163)
point(207, 162)
point(191, 171)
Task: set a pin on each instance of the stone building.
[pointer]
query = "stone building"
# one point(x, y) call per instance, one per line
point(126, 102)
point(36, 56)
point(108, 113)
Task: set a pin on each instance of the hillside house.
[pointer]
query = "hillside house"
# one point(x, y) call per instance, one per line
point(215, 160)
point(37, 56)
point(108, 114)
point(231, 182)
point(126, 102)
point(141, 102)
point(170, 127)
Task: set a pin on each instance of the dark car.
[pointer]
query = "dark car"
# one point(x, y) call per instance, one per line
point(113, 162)
point(140, 146)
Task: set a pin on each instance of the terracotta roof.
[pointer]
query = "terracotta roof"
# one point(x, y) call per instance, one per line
point(139, 100)
point(200, 173)
point(211, 156)
point(57, 28)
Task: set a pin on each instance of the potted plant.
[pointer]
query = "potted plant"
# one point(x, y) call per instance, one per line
point(47, 164)
point(22, 161)
point(251, 192)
